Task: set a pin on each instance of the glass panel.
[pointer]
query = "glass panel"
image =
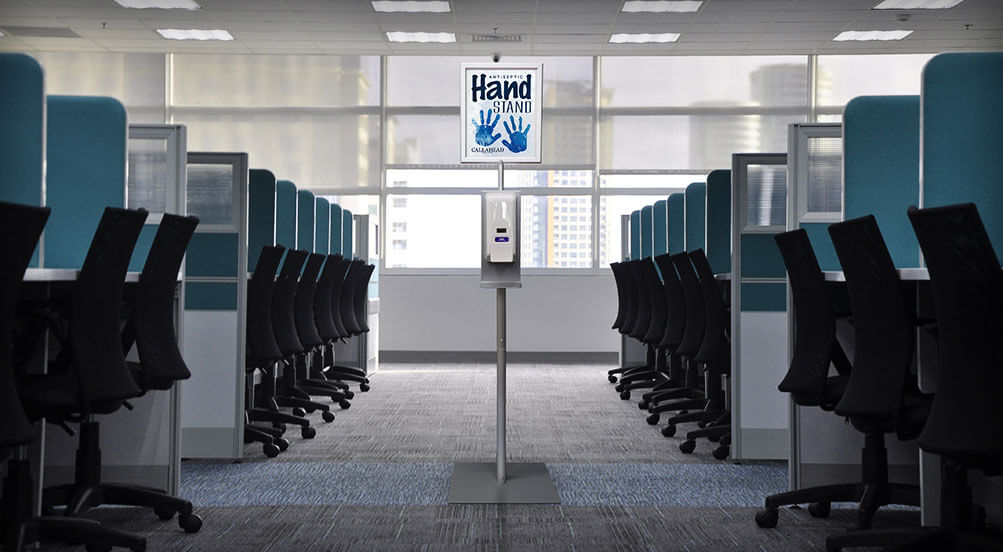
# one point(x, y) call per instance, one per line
point(427, 139)
point(148, 172)
point(766, 195)
point(566, 139)
point(610, 209)
point(444, 178)
point(275, 80)
point(825, 175)
point(440, 231)
point(515, 178)
point(210, 193)
point(704, 81)
point(671, 182)
point(842, 78)
point(556, 232)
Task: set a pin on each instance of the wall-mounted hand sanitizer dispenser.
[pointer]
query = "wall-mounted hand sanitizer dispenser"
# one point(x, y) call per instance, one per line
point(500, 228)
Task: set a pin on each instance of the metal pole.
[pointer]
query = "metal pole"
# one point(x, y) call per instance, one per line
point(500, 395)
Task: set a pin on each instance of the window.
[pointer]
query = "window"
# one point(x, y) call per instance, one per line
point(443, 231)
point(399, 245)
point(611, 208)
point(399, 202)
point(399, 227)
point(825, 175)
point(542, 247)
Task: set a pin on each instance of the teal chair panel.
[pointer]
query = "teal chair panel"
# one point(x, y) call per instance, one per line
point(85, 172)
point(761, 257)
point(880, 172)
point(260, 214)
point(646, 237)
point(285, 214)
point(660, 227)
point(719, 221)
point(322, 218)
point(212, 255)
point(347, 244)
point(963, 135)
point(677, 223)
point(635, 235)
point(818, 234)
point(336, 215)
point(696, 216)
point(305, 218)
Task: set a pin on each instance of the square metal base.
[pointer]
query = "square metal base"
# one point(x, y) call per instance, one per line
point(477, 483)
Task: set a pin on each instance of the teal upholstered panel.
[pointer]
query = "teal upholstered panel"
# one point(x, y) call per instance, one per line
point(322, 218)
point(211, 296)
point(285, 214)
point(761, 257)
point(260, 214)
point(880, 172)
point(677, 223)
point(305, 214)
point(635, 235)
point(347, 244)
point(764, 297)
point(719, 220)
point(646, 221)
point(696, 216)
point(963, 135)
point(336, 228)
point(85, 172)
point(212, 255)
point(660, 227)
point(818, 234)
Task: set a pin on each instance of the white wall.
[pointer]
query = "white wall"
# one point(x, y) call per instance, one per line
point(453, 313)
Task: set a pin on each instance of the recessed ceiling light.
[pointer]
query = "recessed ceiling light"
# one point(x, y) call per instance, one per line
point(411, 6)
point(160, 4)
point(871, 35)
point(917, 4)
point(195, 34)
point(404, 36)
point(643, 38)
point(661, 6)
point(1, 34)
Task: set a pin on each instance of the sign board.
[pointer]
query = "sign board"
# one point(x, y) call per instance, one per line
point(501, 119)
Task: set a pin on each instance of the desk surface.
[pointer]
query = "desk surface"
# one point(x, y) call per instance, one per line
point(914, 274)
point(63, 275)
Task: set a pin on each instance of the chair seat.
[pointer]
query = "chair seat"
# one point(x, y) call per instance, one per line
point(832, 391)
point(58, 396)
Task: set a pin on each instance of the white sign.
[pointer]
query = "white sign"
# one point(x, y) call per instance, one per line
point(501, 113)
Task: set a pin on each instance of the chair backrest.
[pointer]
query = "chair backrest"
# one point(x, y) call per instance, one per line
point(716, 326)
point(303, 309)
point(361, 298)
point(96, 316)
point(967, 286)
point(153, 312)
point(883, 326)
point(696, 316)
point(344, 266)
point(643, 295)
point(347, 302)
point(322, 316)
point(814, 320)
point(261, 344)
point(20, 228)
point(621, 295)
point(675, 321)
point(656, 290)
point(283, 303)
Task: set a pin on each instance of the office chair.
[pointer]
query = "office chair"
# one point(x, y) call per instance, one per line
point(350, 314)
point(342, 287)
point(151, 328)
point(815, 349)
point(674, 386)
point(20, 228)
point(650, 334)
point(621, 311)
point(323, 314)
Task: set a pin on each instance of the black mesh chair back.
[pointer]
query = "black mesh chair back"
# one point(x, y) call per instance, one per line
point(716, 311)
point(344, 266)
point(347, 302)
point(630, 318)
point(322, 316)
point(361, 299)
point(696, 316)
point(643, 294)
point(883, 325)
point(283, 303)
point(656, 290)
point(967, 286)
point(303, 304)
point(20, 228)
point(675, 321)
point(96, 313)
point(814, 320)
point(153, 313)
point(621, 295)
point(261, 344)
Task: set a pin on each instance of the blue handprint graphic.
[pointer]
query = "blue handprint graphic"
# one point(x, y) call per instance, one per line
point(484, 130)
point(517, 137)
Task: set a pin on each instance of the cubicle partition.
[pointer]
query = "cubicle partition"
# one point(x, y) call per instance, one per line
point(676, 205)
point(696, 216)
point(158, 161)
point(347, 235)
point(306, 211)
point(260, 214)
point(322, 231)
point(285, 214)
point(212, 415)
point(635, 235)
point(336, 228)
point(660, 228)
point(647, 238)
point(718, 222)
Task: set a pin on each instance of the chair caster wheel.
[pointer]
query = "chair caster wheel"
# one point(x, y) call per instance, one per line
point(283, 444)
point(820, 509)
point(308, 432)
point(328, 416)
point(364, 387)
point(702, 425)
point(271, 450)
point(163, 513)
point(612, 378)
point(643, 405)
point(191, 523)
point(687, 447)
point(349, 395)
point(625, 395)
point(97, 547)
point(311, 410)
point(669, 430)
point(767, 518)
point(720, 453)
point(714, 438)
point(299, 412)
point(652, 419)
point(725, 440)
point(344, 404)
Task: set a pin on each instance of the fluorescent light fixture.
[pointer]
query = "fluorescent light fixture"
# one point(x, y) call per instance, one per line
point(1, 34)
point(661, 6)
point(870, 35)
point(159, 4)
point(404, 36)
point(195, 34)
point(917, 4)
point(643, 38)
point(411, 6)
